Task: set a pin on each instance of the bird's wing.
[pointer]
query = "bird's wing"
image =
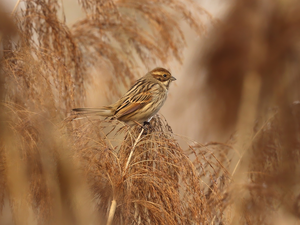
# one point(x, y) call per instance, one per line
point(133, 103)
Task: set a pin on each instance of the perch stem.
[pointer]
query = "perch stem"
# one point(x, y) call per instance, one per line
point(133, 147)
point(112, 211)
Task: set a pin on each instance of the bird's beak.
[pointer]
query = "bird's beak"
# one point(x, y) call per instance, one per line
point(173, 78)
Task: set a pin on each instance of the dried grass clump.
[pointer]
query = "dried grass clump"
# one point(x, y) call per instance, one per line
point(159, 184)
point(43, 68)
point(39, 179)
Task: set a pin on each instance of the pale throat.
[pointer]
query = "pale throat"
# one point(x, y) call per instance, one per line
point(166, 85)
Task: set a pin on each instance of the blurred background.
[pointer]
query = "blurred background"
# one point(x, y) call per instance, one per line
point(224, 148)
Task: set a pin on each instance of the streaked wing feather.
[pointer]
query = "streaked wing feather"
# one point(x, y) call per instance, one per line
point(132, 104)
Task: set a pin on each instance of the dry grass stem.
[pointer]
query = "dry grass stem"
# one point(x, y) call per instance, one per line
point(112, 211)
point(132, 150)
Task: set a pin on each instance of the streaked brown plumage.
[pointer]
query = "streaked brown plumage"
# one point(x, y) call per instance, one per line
point(142, 101)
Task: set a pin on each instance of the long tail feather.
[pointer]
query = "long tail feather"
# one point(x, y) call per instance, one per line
point(94, 111)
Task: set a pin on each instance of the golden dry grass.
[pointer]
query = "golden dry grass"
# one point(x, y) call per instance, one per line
point(58, 169)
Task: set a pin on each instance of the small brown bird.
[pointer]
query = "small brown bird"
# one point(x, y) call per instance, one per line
point(143, 100)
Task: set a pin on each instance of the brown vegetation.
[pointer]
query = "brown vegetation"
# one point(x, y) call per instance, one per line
point(59, 169)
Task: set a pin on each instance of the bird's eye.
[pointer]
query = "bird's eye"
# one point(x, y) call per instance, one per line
point(165, 75)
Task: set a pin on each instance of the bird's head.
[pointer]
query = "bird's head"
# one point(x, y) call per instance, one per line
point(163, 76)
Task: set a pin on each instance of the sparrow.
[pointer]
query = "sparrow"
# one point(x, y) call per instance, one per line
point(141, 102)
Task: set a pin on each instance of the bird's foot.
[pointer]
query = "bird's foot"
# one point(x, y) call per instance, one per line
point(146, 123)
point(146, 127)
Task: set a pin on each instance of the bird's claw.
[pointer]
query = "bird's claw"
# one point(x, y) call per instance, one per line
point(146, 127)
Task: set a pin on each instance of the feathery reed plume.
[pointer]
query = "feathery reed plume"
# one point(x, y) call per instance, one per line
point(42, 180)
point(159, 184)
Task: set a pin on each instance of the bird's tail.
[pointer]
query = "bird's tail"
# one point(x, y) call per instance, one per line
point(104, 111)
